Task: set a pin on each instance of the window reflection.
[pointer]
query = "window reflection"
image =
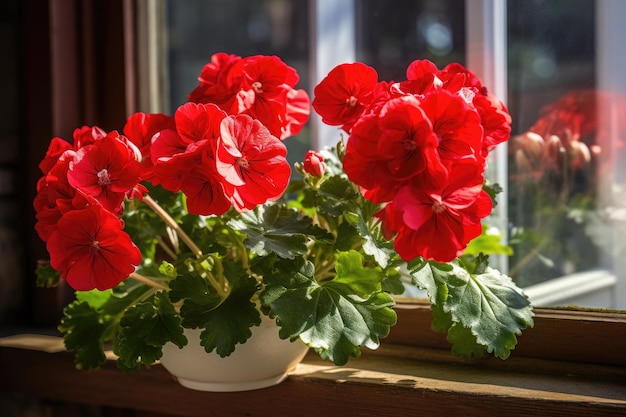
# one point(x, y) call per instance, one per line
point(553, 169)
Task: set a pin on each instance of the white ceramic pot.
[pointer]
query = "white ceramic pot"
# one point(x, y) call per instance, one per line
point(264, 360)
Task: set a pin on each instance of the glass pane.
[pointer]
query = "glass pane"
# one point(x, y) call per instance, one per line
point(390, 38)
point(198, 29)
point(549, 65)
point(559, 152)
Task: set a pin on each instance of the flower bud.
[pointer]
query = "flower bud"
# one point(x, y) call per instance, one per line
point(314, 164)
point(528, 151)
point(522, 162)
point(580, 155)
point(532, 144)
point(555, 152)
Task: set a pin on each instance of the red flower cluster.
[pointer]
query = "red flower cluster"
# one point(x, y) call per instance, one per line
point(259, 86)
point(221, 150)
point(419, 146)
point(217, 160)
point(78, 204)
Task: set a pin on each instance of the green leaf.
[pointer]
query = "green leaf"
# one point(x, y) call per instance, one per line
point(226, 322)
point(337, 195)
point(144, 329)
point(392, 283)
point(362, 282)
point(380, 249)
point(167, 269)
point(347, 237)
point(86, 328)
point(84, 331)
point(338, 198)
point(336, 317)
point(487, 303)
point(94, 298)
point(275, 229)
point(199, 298)
point(230, 323)
point(493, 189)
point(47, 277)
point(462, 340)
point(488, 242)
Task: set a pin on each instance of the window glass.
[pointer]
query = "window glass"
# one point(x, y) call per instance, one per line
point(551, 73)
point(565, 200)
point(390, 38)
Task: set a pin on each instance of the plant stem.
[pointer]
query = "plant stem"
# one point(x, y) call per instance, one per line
point(323, 271)
point(172, 223)
point(244, 256)
point(148, 281)
point(166, 248)
point(222, 290)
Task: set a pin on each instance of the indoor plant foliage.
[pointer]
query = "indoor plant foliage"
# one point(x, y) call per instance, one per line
point(195, 221)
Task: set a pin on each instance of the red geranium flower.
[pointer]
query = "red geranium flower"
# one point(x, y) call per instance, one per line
point(455, 76)
point(55, 150)
point(139, 129)
point(266, 75)
point(54, 194)
point(276, 104)
point(456, 124)
point(438, 225)
point(47, 220)
point(87, 135)
point(204, 190)
point(106, 170)
point(421, 77)
point(251, 161)
point(343, 95)
point(83, 136)
point(296, 111)
point(495, 119)
point(220, 84)
point(56, 186)
point(385, 151)
point(91, 250)
point(260, 86)
point(175, 154)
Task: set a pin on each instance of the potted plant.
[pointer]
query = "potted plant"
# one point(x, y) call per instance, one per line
point(195, 221)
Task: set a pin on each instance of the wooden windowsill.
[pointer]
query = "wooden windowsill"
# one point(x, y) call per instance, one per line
point(393, 381)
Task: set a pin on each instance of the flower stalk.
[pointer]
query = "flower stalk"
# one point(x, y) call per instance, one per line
point(172, 223)
point(148, 281)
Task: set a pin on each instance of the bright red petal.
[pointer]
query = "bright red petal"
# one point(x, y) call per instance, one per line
point(342, 96)
point(251, 162)
point(91, 250)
